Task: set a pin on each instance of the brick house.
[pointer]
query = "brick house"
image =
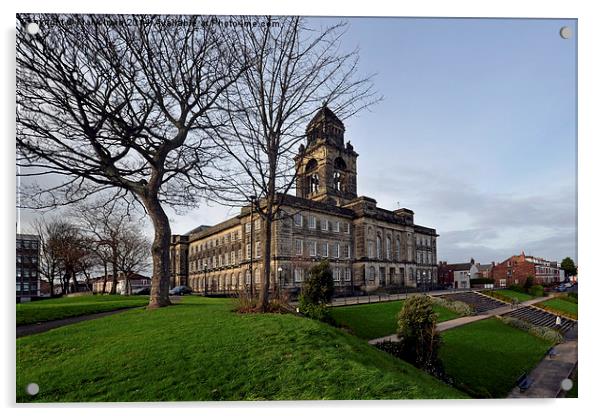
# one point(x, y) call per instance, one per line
point(515, 270)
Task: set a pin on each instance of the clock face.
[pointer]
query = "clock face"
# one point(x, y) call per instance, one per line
point(565, 32)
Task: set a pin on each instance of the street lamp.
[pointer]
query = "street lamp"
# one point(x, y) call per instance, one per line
point(205, 279)
point(279, 279)
point(424, 281)
point(253, 199)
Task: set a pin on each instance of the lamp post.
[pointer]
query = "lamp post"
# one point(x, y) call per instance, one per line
point(279, 280)
point(423, 281)
point(252, 198)
point(205, 270)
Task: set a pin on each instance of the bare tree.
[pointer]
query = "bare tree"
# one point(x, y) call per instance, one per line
point(298, 69)
point(50, 261)
point(121, 103)
point(133, 254)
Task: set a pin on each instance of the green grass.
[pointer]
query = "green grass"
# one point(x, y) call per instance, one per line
point(513, 294)
point(560, 305)
point(66, 307)
point(200, 350)
point(486, 358)
point(377, 320)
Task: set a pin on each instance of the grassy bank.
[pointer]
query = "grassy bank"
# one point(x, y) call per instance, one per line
point(486, 358)
point(562, 306)
point(200, 350)
point(377, 319)
point(67, 307)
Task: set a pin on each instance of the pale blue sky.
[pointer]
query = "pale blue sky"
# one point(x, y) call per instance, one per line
point(476, 132)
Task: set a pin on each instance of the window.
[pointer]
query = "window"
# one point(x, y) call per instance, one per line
point(346, 227)
point(240, 253)
point(337, 250)
point(298, 218)
point(347, 275)
point(248, 227)
point(312, 222)
point(370, 249)
point(371, 274)
point(336, 274)
point(312, 248)
point(346, 250)
point(299, 247)
point(233, 257)
point(258, 249)
point(298, 275)
point(257, 276)
point(248, 250)
point(257, 224)
point(388, 248)
point(325, 249)
point(379, 247)
point(337, 227)
point(324, 225)
point(398, 249)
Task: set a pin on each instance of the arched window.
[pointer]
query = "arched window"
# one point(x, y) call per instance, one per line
point(379, 247)
point(371, 273)
point(388, 248)
point(337, 179)
point(398, 249)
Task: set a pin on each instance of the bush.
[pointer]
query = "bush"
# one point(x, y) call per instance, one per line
point(528, 282)
point(572, 297)
point(537, 291)
point(317, 292)
point(461, 308)
point(245, 303)
point(517, 288)
point(543, 332)
point(417, 330)
point(481, 281)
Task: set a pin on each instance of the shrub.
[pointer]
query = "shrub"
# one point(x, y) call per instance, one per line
point(481, 281)
point(244, 303)
point(572, 297)
point(461, 308)
point(417, 330)
point(537, 291)
point(528, 282)
point(543, 332)
point(517, 288)
point(317, 292)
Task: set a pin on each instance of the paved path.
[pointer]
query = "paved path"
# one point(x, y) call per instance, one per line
point(453, 323)
point(550, 372)
point(24, 330)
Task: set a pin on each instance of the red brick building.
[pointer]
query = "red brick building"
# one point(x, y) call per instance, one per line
point(514, 271)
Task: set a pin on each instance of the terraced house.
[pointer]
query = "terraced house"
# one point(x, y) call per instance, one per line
point(368, 247)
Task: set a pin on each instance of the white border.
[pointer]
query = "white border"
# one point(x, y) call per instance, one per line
point(589, 28)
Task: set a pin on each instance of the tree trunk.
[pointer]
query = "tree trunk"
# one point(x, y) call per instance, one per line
point(159, 293)
point(267, 255)
point(104, 280)
point(114, 266)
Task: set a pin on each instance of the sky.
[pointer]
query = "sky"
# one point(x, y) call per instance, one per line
point(476, 133)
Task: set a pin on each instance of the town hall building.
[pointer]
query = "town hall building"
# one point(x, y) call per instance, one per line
point(368, 247)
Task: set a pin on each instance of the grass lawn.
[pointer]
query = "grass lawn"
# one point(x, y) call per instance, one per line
point(485, 358)
point(201, 350)
point(377, 320)
point(513, 294)
point(560, 305)
point(66, 307)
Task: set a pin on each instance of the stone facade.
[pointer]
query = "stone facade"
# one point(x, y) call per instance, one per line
point(368, 247)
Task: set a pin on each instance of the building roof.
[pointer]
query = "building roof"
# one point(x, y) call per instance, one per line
point(324, 116)
point(458, 266)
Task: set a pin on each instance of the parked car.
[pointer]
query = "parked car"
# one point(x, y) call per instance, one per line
point(141, 291)
point(180, 290)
